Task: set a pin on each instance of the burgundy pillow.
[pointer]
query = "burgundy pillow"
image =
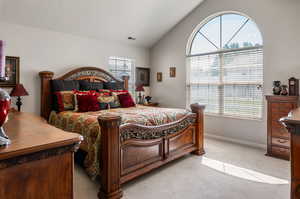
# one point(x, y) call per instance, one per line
point(63, 100)
point(126, 100)
point(87, 103)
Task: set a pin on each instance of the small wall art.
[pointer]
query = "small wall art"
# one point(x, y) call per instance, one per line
point(159, 76)
point(172, 71)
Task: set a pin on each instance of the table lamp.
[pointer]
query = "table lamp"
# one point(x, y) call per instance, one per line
point(140, 89)
point(19, 91)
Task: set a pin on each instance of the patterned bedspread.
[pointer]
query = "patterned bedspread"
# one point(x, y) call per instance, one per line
point(87, 125)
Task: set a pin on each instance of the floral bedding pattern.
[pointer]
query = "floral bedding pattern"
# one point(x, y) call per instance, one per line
point(87, 125)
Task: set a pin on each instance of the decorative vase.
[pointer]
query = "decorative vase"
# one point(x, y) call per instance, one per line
point(5, 101)
point(276, 87)
point(284, 90)
point(148, 99)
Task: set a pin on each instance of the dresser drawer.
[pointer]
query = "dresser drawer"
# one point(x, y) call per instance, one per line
point(276, 116)
point(283, 107)
point(280, 152)
point(279, 131)
point(281, 142)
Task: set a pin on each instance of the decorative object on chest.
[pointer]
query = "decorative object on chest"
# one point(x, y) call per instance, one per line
point(4, 108)
point(19, 91)
point(2, 61)
point(276, 87)
point(284, 90)
point(278, 137)
point(294, 86)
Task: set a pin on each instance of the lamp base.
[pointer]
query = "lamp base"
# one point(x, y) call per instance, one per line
point(19, 103)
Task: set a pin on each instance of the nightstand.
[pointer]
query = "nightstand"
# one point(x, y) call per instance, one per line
point(153, 104)
point(39, 162)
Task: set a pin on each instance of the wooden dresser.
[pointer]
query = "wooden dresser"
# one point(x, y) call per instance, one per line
point(292, 122)
point(278, 136)
point(39, 162)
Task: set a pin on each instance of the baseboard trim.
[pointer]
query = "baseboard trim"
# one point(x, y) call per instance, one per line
point(237, 141)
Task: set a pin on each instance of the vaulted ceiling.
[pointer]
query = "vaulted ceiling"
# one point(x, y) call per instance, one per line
point(147, 20)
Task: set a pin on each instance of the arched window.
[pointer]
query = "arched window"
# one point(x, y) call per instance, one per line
point(225, 67)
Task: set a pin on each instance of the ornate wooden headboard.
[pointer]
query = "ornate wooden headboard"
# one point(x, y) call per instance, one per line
point(92, 74)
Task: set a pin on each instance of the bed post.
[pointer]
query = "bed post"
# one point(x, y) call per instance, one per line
point(45, 76)
point(199, 110)
point(126, 79)
point(110, 157)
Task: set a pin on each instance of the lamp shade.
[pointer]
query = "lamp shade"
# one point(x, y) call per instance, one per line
point(19, 90)
point(139, 88)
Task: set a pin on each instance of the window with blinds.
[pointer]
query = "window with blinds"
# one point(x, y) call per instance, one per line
point(225, 67)
point(120, 67)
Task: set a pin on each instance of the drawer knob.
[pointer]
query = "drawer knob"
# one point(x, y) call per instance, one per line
point(282, 141)
point(281, 150)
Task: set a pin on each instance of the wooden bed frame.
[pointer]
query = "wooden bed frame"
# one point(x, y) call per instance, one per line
point(125, 151)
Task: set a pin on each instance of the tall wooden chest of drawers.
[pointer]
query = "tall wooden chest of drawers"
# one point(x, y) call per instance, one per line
point(278, 136)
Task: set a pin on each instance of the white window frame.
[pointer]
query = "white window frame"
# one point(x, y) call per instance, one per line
point(221, 84)
point(131, 82)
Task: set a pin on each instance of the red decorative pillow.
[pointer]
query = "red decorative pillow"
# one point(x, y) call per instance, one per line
point(87, 103)
point(104, 92)
point(63, 100)
point(126, 100)
point(76, 93)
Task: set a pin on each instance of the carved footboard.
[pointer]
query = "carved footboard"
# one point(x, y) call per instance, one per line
point(130, 150)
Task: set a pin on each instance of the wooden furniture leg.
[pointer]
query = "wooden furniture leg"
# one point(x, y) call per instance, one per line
point(199, 110)
point(110, 162)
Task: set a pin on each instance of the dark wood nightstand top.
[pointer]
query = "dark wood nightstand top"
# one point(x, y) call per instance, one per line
point(154, 104)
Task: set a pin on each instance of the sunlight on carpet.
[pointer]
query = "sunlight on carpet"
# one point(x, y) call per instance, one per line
point(243, 173)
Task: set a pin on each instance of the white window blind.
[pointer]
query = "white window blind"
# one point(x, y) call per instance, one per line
point(120, 67)
point(228, 80)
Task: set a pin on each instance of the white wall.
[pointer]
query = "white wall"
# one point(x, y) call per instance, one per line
point(278, 21)
point(58, 52)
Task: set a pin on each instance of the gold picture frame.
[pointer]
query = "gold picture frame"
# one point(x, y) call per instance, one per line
point(172, 71)
point(159, 76)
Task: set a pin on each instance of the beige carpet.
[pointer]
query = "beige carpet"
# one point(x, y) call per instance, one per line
point(226, 171)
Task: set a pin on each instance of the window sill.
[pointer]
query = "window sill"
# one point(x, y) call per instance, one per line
point(234, 117)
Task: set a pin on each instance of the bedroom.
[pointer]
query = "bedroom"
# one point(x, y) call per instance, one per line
point(53, 36)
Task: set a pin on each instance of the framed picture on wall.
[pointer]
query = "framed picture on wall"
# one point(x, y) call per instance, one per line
point(172, 71)
point(142, 76)
point(159, 76)
point(12, 72)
